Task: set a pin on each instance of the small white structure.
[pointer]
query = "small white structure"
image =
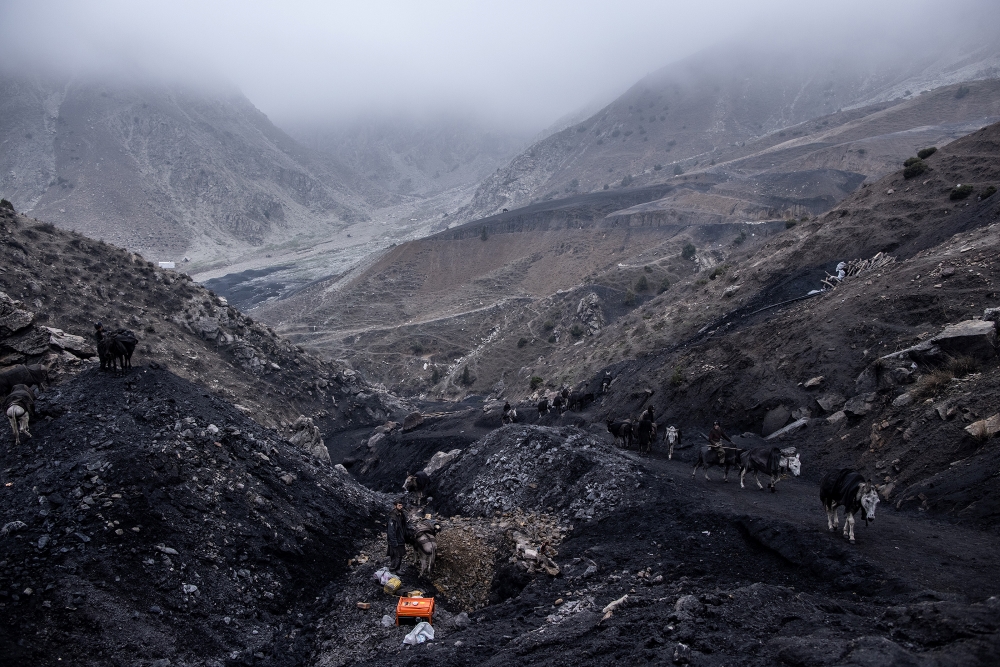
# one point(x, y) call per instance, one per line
point(167, 265)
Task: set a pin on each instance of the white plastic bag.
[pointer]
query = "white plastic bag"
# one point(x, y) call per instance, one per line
point(422, 632)
point(383, 576)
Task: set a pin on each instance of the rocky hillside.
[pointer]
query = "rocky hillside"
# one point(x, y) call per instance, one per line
point(706, 110)
point(59, 283)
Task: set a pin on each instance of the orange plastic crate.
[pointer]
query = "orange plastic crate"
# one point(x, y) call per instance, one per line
point(415, 609)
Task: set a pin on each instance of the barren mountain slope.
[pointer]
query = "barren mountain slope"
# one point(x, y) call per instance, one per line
point(698, 112)
point(167, 171)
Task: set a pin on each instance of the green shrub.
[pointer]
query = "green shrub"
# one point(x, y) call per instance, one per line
point(641, 285)
point(552, 338)
point(677, 379)
point(804, 218)
point(677, 170)
point(717, 271)
point(960, 192)
point(688, 251)
point(536, 382)
point(577, 331)
point(701, 282)
point(435, 375)
point(521, 342)
point(989, 192)
point(861, 151)
point(417, 348)
point(629, 298)
point(466, 376)
point(647, 268)
point(910, 161)
point(548, 326)
point(4, 203)
point(627, 181)
point(962, 92)
point(925, 153)
point(657, 167)
point(606, 186)
point(664, 286)
point(739, 240)
point(789, 224)
point(616, 133)
point(915, 169)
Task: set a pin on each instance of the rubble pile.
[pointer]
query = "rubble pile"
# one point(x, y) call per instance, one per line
point(561, 471)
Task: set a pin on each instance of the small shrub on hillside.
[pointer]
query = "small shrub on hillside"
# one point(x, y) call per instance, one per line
point(960, 192)
point(435, 375)
point(606, 186)
point(701, 282)
point(536, 382)
point(915, 169)
point(932, 384)
point(548, 326)
point(483, 234)
point(861, 151)
point(910, 161)
point(629, 298)
point(466, 376)
point(677, 379)
point(642, 284)
point(664, 286)
point(657, 167)
point(962, 92)
point(417, 348)
point(576, 331)
point(962, 366)
point(521, 342)
point(677, 170)
point(627, 181)
point(804, 218)
point(46, 227)
point(988, 192)
point(717, 271)
point(552, 338)
point(925, 153)
point(688, 251)
point(790, 223)
point(615, 133)
point(647, 269)
point(739, 240)
point(4, 203)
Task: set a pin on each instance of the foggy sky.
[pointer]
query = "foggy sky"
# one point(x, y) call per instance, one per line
point(523, 63)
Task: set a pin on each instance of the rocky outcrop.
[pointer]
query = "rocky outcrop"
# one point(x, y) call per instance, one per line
point(13, 317)
point(308, 438)
point(589, 312)
point(830, 402)
point(775, 419)
point(971, 338)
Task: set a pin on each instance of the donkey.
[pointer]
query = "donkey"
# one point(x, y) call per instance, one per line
point(422, 537)
point(708, 457)
point(19, 406)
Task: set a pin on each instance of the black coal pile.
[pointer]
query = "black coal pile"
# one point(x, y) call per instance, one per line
point(147, 520)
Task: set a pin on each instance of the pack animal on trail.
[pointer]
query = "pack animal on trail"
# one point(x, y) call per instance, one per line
point(709, 456)
point(19, 406)
point(772, 461)
point(671, 437)
point(578, 399)
point(418, 484)
point(509, 415)
point(621, 429)
point(606, 382)
point(559, 402)
point(849, 489)
point(35, 374)
point(646, 433)
point(543, 407)
point(421, 534)
point(115, 350)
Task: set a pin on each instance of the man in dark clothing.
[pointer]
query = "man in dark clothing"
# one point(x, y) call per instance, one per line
point(646, 431)
point(396, 536)
point(715, 438)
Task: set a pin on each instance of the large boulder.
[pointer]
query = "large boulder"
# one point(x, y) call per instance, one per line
point(77, 345)
point(775, 419)
point(984, 428)
point(830, 401)
point(860, 405)
point(412, 421)
point(440, 460)
point(13, 318)
point(971, 338)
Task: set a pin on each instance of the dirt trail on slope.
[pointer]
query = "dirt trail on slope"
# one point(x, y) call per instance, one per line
point(926, 553)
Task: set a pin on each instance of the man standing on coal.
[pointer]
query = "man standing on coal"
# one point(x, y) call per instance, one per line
point(395, 534)
point(715, 438)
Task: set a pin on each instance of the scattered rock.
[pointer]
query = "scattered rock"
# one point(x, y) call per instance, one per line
point(984, 428)
point(830, 402)
point(812, 383)
point(412, 421)
point(775, 419)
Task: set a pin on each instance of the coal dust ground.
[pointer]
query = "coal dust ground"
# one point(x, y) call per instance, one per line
point(718, 575)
